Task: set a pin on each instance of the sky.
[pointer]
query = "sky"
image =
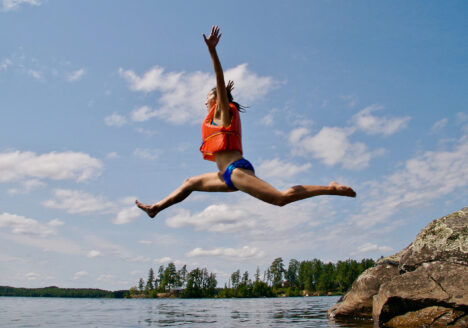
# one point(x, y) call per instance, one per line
point(101, 104)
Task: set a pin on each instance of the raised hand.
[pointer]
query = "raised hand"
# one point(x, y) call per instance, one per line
point(230, 86)
point(213, 39)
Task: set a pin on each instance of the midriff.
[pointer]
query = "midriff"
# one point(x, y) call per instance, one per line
point(226, 157)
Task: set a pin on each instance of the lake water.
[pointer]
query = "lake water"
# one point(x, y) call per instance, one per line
point(263, 312)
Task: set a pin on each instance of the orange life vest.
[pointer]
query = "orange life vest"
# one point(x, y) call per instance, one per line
point(217, 138)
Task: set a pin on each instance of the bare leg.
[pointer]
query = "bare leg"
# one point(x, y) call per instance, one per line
point(210, 182)
point(246, 181)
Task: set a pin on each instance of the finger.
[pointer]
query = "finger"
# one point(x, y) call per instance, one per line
point(204, 36)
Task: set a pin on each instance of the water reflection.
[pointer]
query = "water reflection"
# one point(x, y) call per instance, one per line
point(266, 312)
point(271, 312)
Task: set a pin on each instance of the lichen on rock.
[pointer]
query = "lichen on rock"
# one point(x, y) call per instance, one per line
point(425, 284)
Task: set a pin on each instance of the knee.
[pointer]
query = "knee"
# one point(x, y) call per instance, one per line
point(190, 183)
point(283, 199)
point(280, 201)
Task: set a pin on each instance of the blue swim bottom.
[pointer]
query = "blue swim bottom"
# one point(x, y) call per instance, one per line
point(241, 164)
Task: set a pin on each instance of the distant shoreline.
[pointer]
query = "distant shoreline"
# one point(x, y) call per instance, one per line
point(54, 291)
point(57, 292)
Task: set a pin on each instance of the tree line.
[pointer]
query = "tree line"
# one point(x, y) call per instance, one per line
point(297, 278)
point(61, 292)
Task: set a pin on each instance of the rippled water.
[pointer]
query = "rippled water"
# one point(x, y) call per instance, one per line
point(264, 312)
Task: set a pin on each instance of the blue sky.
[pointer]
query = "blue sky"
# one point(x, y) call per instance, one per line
point(101, 103)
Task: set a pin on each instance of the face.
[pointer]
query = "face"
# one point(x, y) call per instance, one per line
point(210, 100)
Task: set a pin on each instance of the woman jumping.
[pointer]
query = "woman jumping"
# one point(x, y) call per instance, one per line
point(221, 134)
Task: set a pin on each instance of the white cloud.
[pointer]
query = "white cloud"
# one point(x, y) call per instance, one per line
point(106, 278)
point(76, 75)
point(112, 155)
point(8, 5)
point(26, 186)
point(35, 74)
point(278, 170)
point(166, 240)
point(127, 215)
point(8, 258)
point(47, 244)
point(369, 247)
point(248, 84)
point(462, 118)
point(332, 146)
point(372, 124)
point(215, 218)
point(25, 226)
point(142, 114)
point(163, 260)
point(148, 154)
point(78, 202)
point(147, 132)
point(55, 223)
point(268, 119)
point(93, 254)
point(31, 276)
point(183, 94)
point(423, 179)
point(241, 254)
point(16, 165)
point(80, 274)
point(115, 120)
point(439, 125)
point(145, 242)
point(107, 249)
point(250, 218)
point(5, 63)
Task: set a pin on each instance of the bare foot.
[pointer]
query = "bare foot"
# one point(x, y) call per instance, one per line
point(342, 190)
point(151, 210)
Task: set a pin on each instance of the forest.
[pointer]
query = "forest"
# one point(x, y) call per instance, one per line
point(312, 277)
point(54, 291)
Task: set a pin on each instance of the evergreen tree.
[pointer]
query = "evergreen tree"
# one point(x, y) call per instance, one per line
point(277, 271)
point(317, 269)
point(267, 276)
point(182, 276)
point(235, 278)
point(161, 283)
point(141, 285)
point(292, 275)
point(150, 282)
point(257, 275)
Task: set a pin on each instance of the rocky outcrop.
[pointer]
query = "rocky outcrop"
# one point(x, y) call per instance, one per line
point(425, 284)
point(358, 302)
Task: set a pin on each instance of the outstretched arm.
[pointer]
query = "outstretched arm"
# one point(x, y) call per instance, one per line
point(222, 111)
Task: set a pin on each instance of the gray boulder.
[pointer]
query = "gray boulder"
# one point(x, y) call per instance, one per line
point(357, 303)
point(444, 239)
point(425, 284)
point(435, 284)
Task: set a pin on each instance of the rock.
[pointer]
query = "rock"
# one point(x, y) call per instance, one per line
point(423, 285)
point(357, 303)
point(433, 316)
point(444, 239)
point(438, 283)
point(392, 259)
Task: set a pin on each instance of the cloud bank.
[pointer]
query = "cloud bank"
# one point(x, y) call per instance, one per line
point(17, 165)
point(183, 94)
point(8, 5)
point(240, 254)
